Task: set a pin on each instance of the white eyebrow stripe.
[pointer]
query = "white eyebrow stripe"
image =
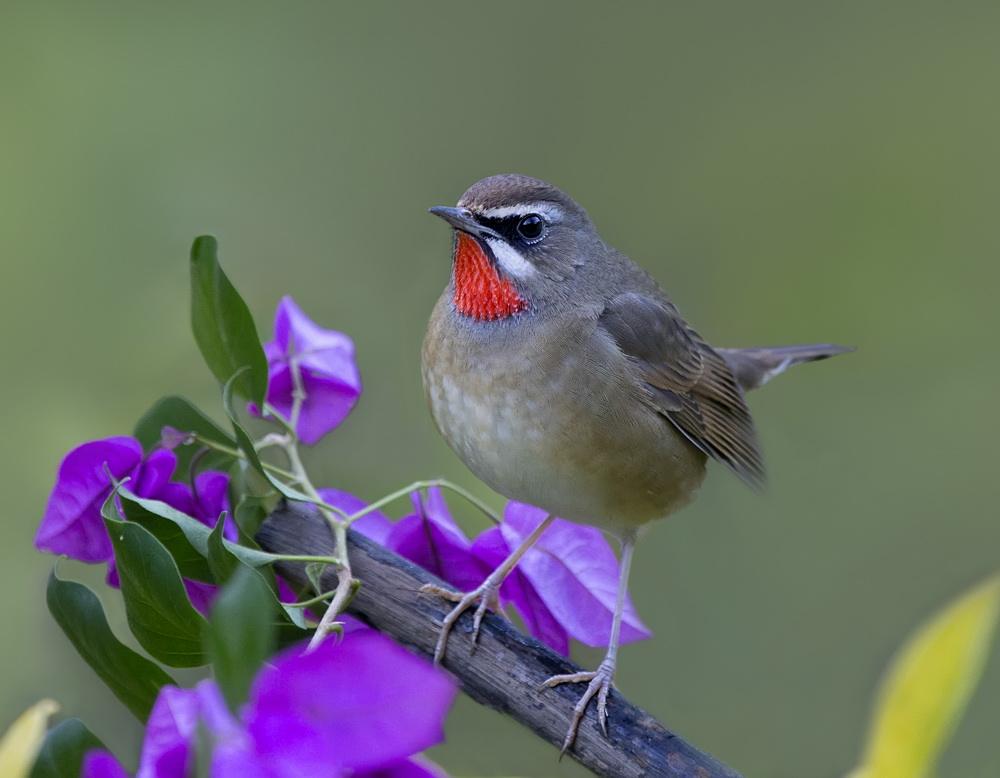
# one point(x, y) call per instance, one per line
point(510, 259)
point(550, 211)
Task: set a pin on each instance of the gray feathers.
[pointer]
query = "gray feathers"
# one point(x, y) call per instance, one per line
point(687, 381)
point(754, 367)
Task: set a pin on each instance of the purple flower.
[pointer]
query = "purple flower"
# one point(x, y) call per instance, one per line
point(430, 538)
point(72, 522)
point(205, 501)
point(329, 374)
point(101, 764)
point(570, 578)
point(375, 525)
point(377, 705)
point(492, 549)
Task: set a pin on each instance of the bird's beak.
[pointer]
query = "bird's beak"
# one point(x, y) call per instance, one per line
point(464, 220)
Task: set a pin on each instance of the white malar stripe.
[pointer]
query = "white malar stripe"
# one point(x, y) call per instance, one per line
point(510, 259)
point(553, 213)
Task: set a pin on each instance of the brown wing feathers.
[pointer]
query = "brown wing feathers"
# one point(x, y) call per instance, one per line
point(688, 381)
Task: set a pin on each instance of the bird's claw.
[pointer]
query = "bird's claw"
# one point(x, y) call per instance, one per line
point(599, 682)
point(484, 597)
point(441, 591)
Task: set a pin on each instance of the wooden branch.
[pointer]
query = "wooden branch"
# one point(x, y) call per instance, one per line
point(506, 670)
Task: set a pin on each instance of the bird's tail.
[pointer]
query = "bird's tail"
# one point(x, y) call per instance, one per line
point(754, 367)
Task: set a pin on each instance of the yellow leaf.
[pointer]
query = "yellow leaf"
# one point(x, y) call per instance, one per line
point(928, 685)
point(20, 743)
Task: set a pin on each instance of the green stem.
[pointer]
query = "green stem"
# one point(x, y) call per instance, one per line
point(314, 601)
point(328, 560)
point(290, 477)
point(237, 454)
point(416, 486)
point(345, 580)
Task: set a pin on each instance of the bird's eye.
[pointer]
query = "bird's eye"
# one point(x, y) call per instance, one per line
point(531, 228)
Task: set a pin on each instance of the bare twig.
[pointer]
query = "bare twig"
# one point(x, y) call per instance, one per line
point(507, 669)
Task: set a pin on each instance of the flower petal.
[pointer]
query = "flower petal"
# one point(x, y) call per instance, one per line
point(418, 767)
point(72, 523)
point(168, 748)
point(328, 371)
point(379, 703)
point(491, 549)
point(374, 525)
point(205, 502)
point(325, 351)
point(153, 473)
point(172, 731)
point(201, 595)
point(328, 401)
point(431, 538)
point(101, 764)
point(575, 573)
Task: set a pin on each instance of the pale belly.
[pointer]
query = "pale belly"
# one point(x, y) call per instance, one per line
point(546, 427)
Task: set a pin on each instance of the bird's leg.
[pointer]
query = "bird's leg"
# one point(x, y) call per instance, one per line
point(599, 681)
point(484, 596)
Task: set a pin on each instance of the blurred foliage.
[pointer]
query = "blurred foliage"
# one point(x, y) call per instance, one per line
point(928, 686)
point(791, 172)
point(19, 745)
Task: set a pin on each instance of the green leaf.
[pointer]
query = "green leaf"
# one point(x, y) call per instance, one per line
point(928, 685)
point(131, 677)
point(246, 445)
point(174, 530)
point(246, 481)
point(314, 572)
point(220, 559)
point(180, 414)
point(220, 555)
point(159, 613)
point(222, 324)
point(224, 558)
point(19, 745)
point(250, 513)
point(63, 750)
point(194, 531)
point(241, 632)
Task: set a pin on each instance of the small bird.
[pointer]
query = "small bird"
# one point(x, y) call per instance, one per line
point(562, 375)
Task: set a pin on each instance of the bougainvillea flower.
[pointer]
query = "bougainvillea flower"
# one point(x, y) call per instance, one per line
point(430, 538)
point(205, 501)
point(375, 524)
point(101, 764)
point(379, 705)
point(491, 548)
point(72, 524)
point(575, 574)
point(326, 364)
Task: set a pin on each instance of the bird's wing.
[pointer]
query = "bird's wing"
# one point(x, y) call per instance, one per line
point(686, 381)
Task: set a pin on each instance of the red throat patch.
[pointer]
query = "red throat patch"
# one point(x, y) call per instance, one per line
point(480, 292)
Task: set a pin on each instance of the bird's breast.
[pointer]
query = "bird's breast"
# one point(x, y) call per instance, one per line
point(544, 413)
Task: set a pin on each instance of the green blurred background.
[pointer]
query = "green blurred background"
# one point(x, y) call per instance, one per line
point(789, 171)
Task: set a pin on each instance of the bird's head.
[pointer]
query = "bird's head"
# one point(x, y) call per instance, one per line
point(517, 241)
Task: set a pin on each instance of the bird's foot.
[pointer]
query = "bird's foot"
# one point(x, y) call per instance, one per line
point(599, 683)
point(484, 597)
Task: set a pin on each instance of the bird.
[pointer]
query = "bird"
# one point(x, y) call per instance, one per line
point(564, 377)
